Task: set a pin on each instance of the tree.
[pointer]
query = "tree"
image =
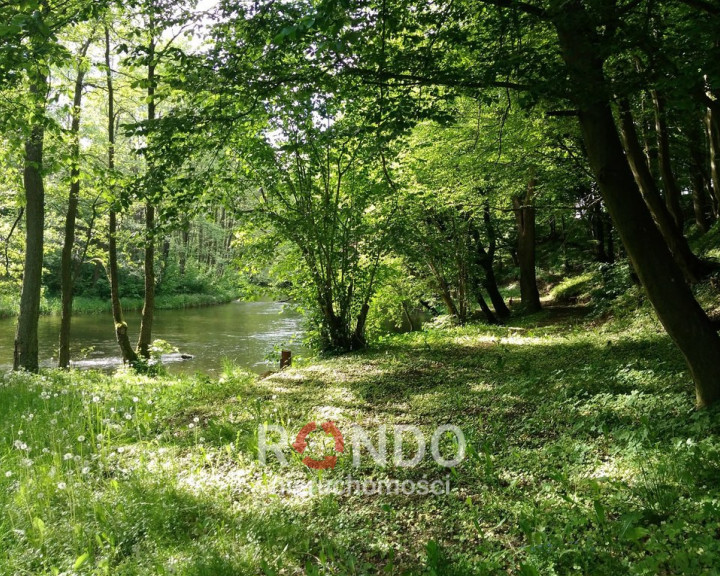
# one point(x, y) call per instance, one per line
point(26, 336)
point(525, 217)
point(319, 188)
point(67, 269)
point(681, 315)
point(556, 56)
point(30, 47)
point(121, 328)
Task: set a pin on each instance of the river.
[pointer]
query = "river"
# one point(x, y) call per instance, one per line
point(241, 332)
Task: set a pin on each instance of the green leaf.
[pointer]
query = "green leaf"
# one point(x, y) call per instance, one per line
point(81, 560)
point(600, 511)
point(635, 533)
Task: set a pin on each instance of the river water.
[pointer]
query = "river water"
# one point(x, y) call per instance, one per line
point(242, 332)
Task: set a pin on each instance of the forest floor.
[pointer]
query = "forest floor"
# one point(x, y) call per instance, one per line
point(584, 455)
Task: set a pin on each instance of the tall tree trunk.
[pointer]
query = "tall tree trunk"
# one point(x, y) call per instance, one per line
point(491, 286)
point(701, 202)
point(609, 235)
point(490, 281)
point(148, 310)
point(670, 186)
point(444, 289)
point(566, 262)
point(484, 259)
point(121, 328)
point(185, 234)
point(66, 263)
point(489, 316)
point(26, 336)
point(692, 267)
point(358, 338)
point(21, 213)
point(598, 228)
point(525, 218)
point(703, 206)
point(681, 315)
point(713, 131)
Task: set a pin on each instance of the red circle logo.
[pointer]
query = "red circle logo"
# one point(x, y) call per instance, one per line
point(301, 443)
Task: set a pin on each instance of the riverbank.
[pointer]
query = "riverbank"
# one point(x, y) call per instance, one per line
point(9, 305)
point(584, 456)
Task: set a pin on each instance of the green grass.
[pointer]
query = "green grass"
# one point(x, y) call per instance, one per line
point(572, 289)
point(585, 457)
point(9, 305)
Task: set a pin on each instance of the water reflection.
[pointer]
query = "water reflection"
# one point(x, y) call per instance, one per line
point(242, 332)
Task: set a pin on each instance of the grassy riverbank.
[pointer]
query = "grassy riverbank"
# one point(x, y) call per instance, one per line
point(585, 456)
point(9, 304)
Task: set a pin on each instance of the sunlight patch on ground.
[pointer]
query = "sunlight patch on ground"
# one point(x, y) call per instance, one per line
point(510, 339)
point(612, 469)
point(482, 387)
point(330, 412)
